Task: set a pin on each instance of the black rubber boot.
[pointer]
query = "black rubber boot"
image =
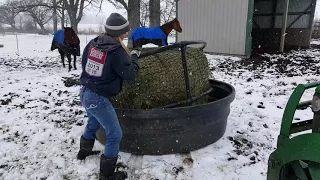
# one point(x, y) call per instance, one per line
point(86, 149)
point(107, 168)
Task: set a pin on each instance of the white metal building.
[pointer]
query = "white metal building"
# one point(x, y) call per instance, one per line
point(243, 27)
point(223, 24)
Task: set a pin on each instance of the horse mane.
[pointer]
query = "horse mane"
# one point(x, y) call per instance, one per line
point(70, 37)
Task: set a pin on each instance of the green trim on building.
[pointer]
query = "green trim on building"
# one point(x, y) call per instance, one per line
point(248, 48)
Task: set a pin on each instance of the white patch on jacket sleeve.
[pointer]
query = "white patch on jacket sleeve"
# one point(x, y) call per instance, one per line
point(95, 62)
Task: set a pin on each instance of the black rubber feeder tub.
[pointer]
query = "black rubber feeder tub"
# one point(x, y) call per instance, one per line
point(174, 129)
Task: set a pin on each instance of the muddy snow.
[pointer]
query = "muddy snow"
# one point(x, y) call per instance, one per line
point(41, 119)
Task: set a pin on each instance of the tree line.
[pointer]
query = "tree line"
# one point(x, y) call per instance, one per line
point(145, 13)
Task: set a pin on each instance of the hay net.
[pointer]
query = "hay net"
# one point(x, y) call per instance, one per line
point(161, 80)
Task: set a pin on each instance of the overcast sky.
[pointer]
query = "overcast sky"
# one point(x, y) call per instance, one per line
point(91, 16)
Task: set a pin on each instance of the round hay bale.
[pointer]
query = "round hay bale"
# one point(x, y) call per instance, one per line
point(161, 80)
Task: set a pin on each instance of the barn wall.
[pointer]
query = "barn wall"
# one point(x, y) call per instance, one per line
point(266, 32)
point(221, 23)
point(265, 7)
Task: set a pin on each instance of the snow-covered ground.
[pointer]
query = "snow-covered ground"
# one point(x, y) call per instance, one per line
point(315, 41)
point(41, 119)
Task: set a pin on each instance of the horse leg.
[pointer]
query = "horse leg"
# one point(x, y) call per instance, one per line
point(159, 42)
point(138, 43)
point(62, 58)
point(69, 61)
point(133, 45)
point(74, 62)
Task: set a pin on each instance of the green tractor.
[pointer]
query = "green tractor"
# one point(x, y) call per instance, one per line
point(298, 157)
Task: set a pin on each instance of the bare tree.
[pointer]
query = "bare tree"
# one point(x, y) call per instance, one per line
point(62, 11)
point(54, 15)
point(1, 28)
point(133, 11)
point(40, 14)
point(8, 13)
point(144, 13)
point(158, 11)
point(28, 24)
point(20, 22)
point(53, 6)
point(75, 9)
point(167, 11)
point(154, 13)
point(58, 11)
point(150, 15)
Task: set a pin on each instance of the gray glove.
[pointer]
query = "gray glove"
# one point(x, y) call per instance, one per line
point(136, 52)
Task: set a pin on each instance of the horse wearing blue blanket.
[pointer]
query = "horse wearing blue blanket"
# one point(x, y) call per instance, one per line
point(157, 35)
point(68, 43)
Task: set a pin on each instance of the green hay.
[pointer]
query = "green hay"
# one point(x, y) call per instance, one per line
point(161, 80)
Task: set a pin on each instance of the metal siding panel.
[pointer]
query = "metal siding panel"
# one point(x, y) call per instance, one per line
point(264, 21)
point(303, 21)
point(213, 41)
point(232, 37)
point(236, 36)
point(241, 10)
point(221, 23)
point(294, 6)
point(263, 7)
point(227, 31)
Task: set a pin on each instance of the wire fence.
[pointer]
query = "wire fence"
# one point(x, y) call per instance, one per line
point(162, 79)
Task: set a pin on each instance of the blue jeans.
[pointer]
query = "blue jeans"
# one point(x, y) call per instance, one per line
point(101, 112)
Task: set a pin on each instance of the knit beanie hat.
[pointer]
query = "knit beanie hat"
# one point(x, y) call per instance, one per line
point(116, 25)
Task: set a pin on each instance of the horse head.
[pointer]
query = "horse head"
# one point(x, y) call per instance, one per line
point(70, 37)
point(176, 25)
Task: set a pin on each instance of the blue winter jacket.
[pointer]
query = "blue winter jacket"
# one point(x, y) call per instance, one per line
point(149, 33)
point(105, 64)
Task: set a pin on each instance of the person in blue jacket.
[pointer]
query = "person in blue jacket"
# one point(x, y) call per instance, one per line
point(106, 63)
